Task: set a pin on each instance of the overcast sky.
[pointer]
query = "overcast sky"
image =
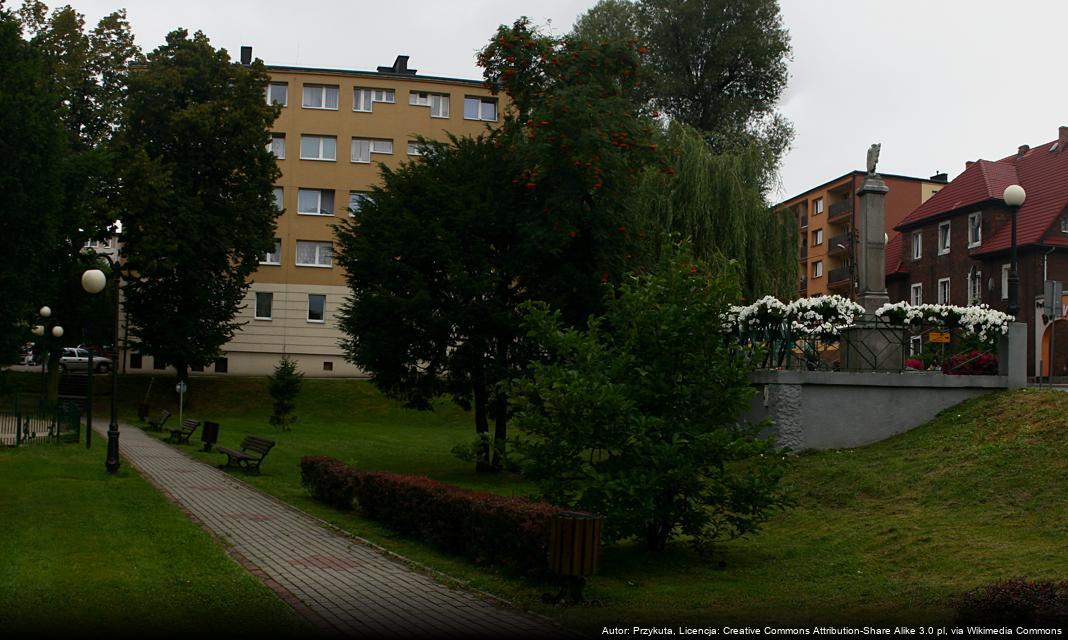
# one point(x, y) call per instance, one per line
point(936, 82)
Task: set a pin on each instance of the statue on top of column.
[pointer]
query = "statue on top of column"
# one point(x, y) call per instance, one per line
point(873, 157)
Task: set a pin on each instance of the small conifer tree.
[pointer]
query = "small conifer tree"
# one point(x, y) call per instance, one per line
point(284, 387)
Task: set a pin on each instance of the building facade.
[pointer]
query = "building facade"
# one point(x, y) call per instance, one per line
point(334, 129)
point(955, 248)
point(828, 220)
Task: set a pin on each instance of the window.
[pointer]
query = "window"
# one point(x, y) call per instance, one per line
point(98, 244)
point(915, 345)
point(415, 149)
point(916, 294)
point(264, 302)
point(438, 102)
point(480, 109)
point(364, 99)
point(817, 237)
point(328, 365)
point(315, 201)
point(917, 244)
point(274, 257)
point(320, 96)
point(943, 291)
point(362, 148)
point(278, 93)
point(1064, 224)
point(356, 201)
point(975, 287)
point(943, 238)
point(136, 360)
point(222, 365)
point(975, 229)
point(817, 269)
point(318, 148)
point(316, 307)
point(278, 145)
point(279, 194)
point(314, 254)
point(817, 207)
point(158, 364)
point(1004, 282)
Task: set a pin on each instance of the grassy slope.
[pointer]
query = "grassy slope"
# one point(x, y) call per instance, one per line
point(84, 551)
point(890, 532)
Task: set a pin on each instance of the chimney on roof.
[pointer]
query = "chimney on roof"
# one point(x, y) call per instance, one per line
point(940, 177)
point(1062, 137)
point(1022, 150)
point(400, 67)
point(246, 55)
point(968, 164)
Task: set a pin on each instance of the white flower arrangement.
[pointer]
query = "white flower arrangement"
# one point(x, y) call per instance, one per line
point(979, 320)
point(820, 315)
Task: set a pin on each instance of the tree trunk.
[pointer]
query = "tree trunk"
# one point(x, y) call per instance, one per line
point(500, 409)
point(482, 460)
point(52, 389)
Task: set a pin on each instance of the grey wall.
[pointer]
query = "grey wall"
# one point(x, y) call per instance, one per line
point(835, 410)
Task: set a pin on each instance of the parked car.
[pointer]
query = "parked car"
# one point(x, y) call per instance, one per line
point(29, 357)
point(78, 360)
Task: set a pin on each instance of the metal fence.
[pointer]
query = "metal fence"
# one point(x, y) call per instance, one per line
point(883, 347)
point(29, 419)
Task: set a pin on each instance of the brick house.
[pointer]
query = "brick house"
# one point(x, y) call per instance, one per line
point(954, 248)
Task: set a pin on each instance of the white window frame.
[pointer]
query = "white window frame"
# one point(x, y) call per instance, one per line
point(267, 93)
point(1064, 224)
point(978, 239)
point(916, 293)
point(944, 299)
point(319, 210)
point(309, 308)
point(321, 147)
point(975, 288)
point(917, 244)
point(817, 269)
point(482, 100)
point(365, 96)
point(275, 148)
point(817, 237)
point(363, 196)
point(322, 96)
point(319, 254)
point(943, 247)
point(256, 305)
point(415, 149)
point(817, 206)
point(383, 146)
point(1005, 281)
point(277, 253)
point(438, 102)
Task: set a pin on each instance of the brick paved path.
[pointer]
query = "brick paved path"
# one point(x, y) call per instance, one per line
point(339, 583)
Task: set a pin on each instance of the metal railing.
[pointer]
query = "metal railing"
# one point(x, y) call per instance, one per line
point(29, 419)
point(840, 209)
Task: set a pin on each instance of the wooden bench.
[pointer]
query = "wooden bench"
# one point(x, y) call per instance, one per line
point(253, 451)
point(157, 425)
point(182, 433)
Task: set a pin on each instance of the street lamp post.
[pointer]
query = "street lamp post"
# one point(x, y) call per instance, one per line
point(94, 281)
point(1014, 196)
point(40, 330)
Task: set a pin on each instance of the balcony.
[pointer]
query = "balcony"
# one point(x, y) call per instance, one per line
point(804, 221)
point(840, 244)
point(803, 286)
point(804, 251)
point(838, 278)
point(840, 211)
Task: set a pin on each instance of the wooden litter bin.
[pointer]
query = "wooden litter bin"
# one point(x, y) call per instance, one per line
point(574, 552)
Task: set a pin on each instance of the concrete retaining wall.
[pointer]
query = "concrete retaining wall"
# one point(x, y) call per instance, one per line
point(836, 410)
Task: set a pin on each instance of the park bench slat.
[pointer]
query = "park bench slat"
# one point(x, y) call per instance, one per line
point(182, 433)
point(157, 425)
point(253, 450)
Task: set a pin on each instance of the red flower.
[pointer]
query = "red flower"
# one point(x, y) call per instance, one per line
point(572, 233)
point(604, 276)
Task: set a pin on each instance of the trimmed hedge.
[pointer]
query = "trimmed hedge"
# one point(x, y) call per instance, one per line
point(1015, 601)
point(485, 527)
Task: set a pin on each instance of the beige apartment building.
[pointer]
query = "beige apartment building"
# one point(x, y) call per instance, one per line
point(828, 220)
point(335, 128)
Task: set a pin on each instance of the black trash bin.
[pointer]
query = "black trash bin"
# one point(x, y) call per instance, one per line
point(209, 435)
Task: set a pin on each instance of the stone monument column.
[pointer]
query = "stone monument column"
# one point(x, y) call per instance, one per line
point(870, 345)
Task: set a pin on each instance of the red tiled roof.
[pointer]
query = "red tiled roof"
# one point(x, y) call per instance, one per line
point(1042, 172)
point(984, 180)
point(894, 252)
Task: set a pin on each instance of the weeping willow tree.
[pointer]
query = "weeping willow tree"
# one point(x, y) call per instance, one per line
point(717, 202)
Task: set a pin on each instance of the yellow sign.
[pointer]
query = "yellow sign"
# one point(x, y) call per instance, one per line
point(941, 337)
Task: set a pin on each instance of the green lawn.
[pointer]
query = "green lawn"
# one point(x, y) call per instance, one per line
point(84, 552)
point(886, 533)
